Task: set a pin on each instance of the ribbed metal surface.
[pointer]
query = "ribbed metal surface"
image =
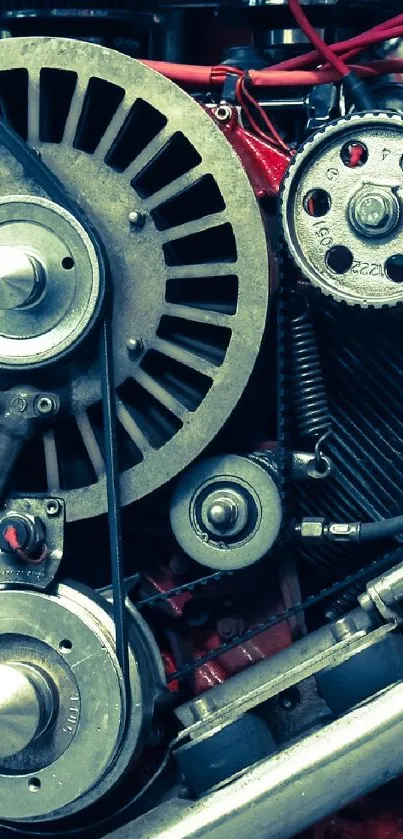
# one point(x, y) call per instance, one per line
point(362, 358)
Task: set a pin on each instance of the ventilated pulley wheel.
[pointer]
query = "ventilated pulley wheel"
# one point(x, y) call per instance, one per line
point(187, 251)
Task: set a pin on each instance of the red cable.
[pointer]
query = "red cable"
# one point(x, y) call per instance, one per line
point(11, 537)
point(325, 51)
point(192, 75)
point(390, 28)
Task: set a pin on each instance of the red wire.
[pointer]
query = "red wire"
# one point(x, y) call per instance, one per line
point(390, 28)
point(11, 537)
point(242, 94)
point(324, 50)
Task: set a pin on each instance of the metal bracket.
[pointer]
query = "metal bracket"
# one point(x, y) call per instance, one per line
point(51, 513)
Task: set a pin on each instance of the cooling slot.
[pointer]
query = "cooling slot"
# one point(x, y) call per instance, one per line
point(187, 386)
point(128, 452)
point(56, 92)
point(101, 101)
point(176, 158)
point(154, 420)
point(216, 244)
point(77, 471)
point(14, 99)
point(202, 339)
point(216, 294)
point(196, 201)
point(141, 125)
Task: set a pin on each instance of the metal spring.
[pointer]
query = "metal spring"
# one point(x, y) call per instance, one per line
point(344, 601)
point(308, 391)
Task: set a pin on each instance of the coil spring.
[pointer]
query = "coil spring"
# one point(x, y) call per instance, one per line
point(308, 391)
point(345, 601)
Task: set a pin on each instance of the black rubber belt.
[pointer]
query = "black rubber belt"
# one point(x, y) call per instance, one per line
point(36, 169)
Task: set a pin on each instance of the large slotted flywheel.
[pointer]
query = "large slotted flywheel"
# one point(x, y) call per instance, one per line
point(187, 251)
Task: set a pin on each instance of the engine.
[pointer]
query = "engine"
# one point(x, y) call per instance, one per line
point(201, 434)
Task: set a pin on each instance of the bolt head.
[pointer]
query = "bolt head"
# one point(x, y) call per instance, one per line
point(46, 405)
point(222, 513)
point(18, 404)
point(134, 346)
point(136, 219)
point(374, 210)
point(53, 507)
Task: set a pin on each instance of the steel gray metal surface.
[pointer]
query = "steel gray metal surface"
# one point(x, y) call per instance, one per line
point(351, 245)
point(68, 636)
point(281, 796)
point(235, 486)
point(190, 289)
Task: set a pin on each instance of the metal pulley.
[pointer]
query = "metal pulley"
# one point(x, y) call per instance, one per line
point(342, 209)
point(67, 733)
point(226, 511)
point(167, 197)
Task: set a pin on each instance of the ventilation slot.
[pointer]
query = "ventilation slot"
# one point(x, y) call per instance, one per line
point(29, 473)
point(216, 244)
point(14, 99)
point(196, 201)
point(101, 102)
point(202, 339)
point(128, 453)
point(216, 294)
point(187, 386)
point(141, 125)
point(176, 158)
point(56, 92)
point(77, 471)
point(156, 422)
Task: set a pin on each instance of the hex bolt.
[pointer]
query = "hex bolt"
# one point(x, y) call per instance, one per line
point(343, 628)
point(46, 405)
point(53, 507)
point(136, 219)
point(134, 346)
point(374, 210)
point(222, 513)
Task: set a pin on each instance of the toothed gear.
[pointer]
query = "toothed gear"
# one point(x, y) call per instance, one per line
point(342, 209)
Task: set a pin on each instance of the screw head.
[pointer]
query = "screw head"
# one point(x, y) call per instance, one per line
point(18, 404)
point(46, 405)
point(136, 219)
point(53, 507)
point(134, 346)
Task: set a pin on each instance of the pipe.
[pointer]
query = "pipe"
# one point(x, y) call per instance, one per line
point(289, 792)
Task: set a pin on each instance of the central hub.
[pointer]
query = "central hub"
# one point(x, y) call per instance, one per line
point(22, 278)
point(25, 707)
point(374, 210)
point(51, 285)
point(224, 512)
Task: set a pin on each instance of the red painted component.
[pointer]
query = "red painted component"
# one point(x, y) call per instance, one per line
point(160, 580)
point(264, 162)
point(170, 667)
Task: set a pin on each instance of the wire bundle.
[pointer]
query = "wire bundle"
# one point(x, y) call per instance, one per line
point(323, 65)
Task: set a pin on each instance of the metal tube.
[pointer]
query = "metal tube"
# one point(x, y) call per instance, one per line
point(287, 793)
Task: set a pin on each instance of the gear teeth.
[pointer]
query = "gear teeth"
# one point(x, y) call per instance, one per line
point(310, 143)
